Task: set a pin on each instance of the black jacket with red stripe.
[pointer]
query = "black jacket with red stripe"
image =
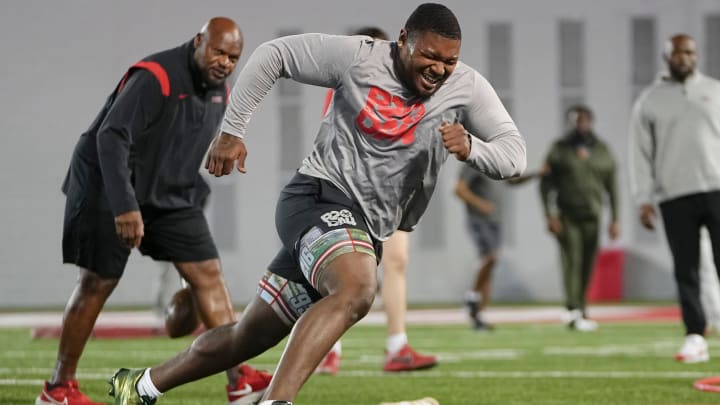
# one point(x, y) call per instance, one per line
point(146, 145)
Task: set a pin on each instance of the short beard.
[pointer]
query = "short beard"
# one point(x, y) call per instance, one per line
point(680, 76)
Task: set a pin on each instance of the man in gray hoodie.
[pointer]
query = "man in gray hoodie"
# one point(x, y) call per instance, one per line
point(675, 144)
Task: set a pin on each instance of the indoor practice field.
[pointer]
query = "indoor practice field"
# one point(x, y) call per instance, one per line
point(622, 363)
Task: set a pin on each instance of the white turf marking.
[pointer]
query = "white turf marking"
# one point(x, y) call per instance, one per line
point(21, 382)
point(532, 374)
point(675, 375)
point(657, 349)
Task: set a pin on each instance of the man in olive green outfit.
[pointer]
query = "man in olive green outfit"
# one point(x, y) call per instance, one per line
point(581, 171)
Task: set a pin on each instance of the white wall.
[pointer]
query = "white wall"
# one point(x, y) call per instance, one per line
point(60, 60)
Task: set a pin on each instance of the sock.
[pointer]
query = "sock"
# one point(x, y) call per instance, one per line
point(51, 387)
point(271, 402)
point(472, 296)
point(396, 342)
point(146, 387)
point(337, 348)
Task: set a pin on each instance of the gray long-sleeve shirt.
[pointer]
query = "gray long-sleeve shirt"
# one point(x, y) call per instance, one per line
point(380, 144)
point(675, 139)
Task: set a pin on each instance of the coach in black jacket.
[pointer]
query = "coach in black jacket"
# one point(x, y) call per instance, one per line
point(134, 182)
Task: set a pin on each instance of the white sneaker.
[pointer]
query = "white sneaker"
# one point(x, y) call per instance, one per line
point(575, 320)
point(694, 350)
point(570, 315)
point(585, 325)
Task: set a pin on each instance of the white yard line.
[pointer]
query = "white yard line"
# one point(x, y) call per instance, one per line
point(376, 317)
point(520, 374)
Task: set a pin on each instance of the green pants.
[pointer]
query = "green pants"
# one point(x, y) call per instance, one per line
point(578, 246)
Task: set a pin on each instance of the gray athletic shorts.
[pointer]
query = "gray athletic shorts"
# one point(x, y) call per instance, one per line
point(485, 234)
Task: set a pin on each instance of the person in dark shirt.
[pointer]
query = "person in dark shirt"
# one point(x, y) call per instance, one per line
point(134, 182)
point(581, 175)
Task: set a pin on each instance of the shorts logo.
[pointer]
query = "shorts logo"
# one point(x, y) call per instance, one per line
point(337, 218)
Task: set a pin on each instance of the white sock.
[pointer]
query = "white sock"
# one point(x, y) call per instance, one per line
point(271, 402)
point(396, 342)
point(472, 296)
point(337, 348)
point(146, 387)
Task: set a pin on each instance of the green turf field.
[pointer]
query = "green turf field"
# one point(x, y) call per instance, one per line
point(516, 364)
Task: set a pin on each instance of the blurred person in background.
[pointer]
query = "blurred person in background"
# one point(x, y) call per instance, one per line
point(581, 173)
point(674, 149)
point(482, 197)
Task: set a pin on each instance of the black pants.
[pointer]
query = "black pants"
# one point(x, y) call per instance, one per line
point(683, 217)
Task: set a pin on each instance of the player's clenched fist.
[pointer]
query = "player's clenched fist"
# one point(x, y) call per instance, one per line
point(224, 151)
point(456, 140)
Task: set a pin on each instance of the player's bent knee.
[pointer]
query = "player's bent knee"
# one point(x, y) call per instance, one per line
point(359, 305)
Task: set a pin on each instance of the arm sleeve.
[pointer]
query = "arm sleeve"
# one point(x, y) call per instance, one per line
point(497, 148)
point(134, 109)
point(316, 59)
point(611, 187)
point(641, 155)
point(547, 186)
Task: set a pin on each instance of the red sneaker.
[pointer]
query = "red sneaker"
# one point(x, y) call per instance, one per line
point(66, 393)
point(249, 387)
point(407, 359)
point(330, 364)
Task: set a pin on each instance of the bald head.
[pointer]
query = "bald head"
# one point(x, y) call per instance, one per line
point(218, 46)
point(221, 26)
point(680, 56)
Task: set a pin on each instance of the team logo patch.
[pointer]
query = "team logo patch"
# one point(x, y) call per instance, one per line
point(387, 116)
point(337, 218)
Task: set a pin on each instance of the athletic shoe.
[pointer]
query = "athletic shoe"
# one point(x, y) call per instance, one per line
point(330, 364)
point(249, 387)
point(584, 325)
point(424, 401)
point(694, 350)
point(66, 393)
point(482, 326)
point(570, 315)
point(407, 359)
point(575, 320)
point(123, 388)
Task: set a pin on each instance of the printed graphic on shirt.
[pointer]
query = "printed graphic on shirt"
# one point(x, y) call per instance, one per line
point(386, 116)
point(337, 218)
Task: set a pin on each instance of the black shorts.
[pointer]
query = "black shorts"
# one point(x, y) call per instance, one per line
point(90, 240)
point(311, 205)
